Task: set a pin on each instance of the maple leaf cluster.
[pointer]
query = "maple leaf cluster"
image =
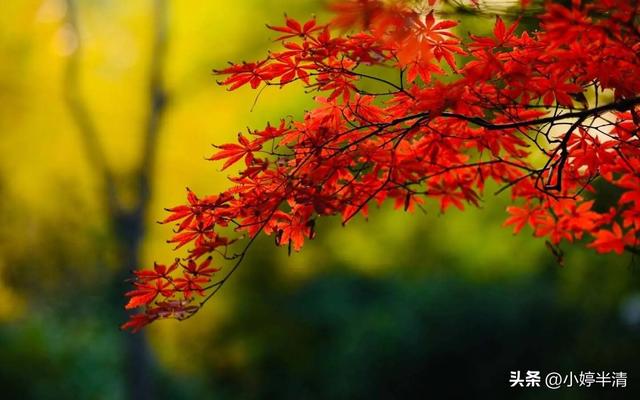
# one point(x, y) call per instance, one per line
point(544, 115)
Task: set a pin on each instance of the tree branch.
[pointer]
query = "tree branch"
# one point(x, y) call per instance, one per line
point(621, 105)
point(81, 116)
point(157, 102)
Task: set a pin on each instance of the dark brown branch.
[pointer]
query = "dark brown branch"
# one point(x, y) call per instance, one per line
point(559, 164)
point(621, 105)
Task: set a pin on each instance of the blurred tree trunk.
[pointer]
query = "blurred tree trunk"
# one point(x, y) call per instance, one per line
point(129, 230)
point(127, 222)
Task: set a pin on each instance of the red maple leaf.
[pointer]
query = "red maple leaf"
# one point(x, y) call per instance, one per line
point(612, 240)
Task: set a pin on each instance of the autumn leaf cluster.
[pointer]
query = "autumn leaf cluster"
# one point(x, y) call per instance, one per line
point(551, 116)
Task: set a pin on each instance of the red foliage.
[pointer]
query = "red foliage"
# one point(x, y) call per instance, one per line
point(516, 113)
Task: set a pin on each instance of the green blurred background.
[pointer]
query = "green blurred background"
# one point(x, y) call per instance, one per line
point(400, 306)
